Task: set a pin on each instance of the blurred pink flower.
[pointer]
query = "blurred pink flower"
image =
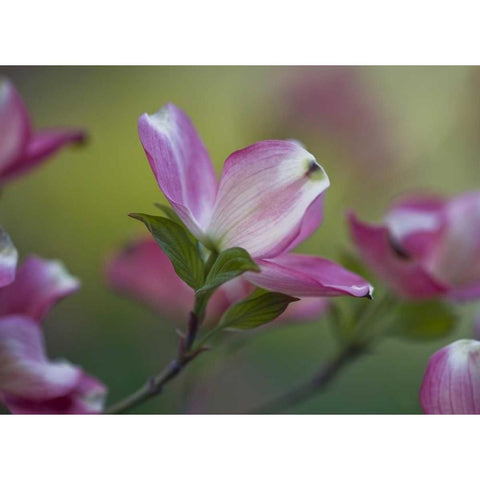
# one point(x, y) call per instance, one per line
point(426, 247)
point(268, 200)
point(29, 382)
point(21, 148)
point(335, 103)
point(452, 380)
point(145, 273)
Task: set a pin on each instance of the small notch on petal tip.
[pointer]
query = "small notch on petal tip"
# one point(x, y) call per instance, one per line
point(315, 172)
point(369, 295)
point(313, 168)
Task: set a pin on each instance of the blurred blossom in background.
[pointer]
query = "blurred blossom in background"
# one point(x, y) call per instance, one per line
point(337, 107)
point(378, 132)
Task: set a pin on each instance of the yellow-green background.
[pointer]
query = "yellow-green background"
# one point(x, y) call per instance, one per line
point(75, 208)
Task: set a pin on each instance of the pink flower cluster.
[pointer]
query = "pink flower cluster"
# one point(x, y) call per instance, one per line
point(429, 247)
point(426, 247)
point(268, 200)
point(29, 382)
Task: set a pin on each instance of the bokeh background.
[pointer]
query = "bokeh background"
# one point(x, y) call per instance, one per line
point(378, 131)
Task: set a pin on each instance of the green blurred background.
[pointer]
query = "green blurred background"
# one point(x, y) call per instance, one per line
point(75, 208)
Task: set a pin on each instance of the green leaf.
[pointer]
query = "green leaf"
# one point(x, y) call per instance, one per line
point(170, 213)
point(229, 264)
point(259, 308)
point(424, 320)
point(176, 242)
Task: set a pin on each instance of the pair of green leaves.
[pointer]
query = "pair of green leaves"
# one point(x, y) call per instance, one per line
point(184, 252)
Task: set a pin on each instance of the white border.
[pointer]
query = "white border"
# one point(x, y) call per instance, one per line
point(247, 32)
point(239, 447)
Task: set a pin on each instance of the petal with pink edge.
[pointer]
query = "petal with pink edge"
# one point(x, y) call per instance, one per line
point(41, 145)
point(456, 259)
point(264, 193)
point(14, 125)
point(451, 384)
point(181, 165)
point(416, 224)
point(38, 285)
point(24, 369)
point(88, 397)
point(311, 221)
point(306, 276)
point(406, 276)
point(8, 259)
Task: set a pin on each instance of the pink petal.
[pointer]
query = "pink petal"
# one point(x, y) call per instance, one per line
point(416, 224)
point(311, 221)
point(405, 275)
point(181, 165)
point(456, 259)
point(88, 397)
point(38, 285)
point(14, 126)
point(264, 194)
point(41, 145)
point(465, 293)
point(8, 259)
point(24, 369)
point(307, 309)
point(451, 384)
point(143, 272)
point(307, 276)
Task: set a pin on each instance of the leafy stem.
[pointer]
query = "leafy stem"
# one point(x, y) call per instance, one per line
point(204, 277)
point(356, 341)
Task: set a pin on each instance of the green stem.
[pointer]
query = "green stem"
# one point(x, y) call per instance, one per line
point(186, 353)
point(210, 261)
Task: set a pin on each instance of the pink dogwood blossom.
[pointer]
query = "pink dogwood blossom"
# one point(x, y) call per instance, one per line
point(29, 382)
point(452, 380)
point(22, 148)
point(269, 198)
point(426, 247)
point(143, 272)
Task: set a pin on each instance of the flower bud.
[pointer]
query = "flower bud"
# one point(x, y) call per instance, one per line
point(452, 380)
